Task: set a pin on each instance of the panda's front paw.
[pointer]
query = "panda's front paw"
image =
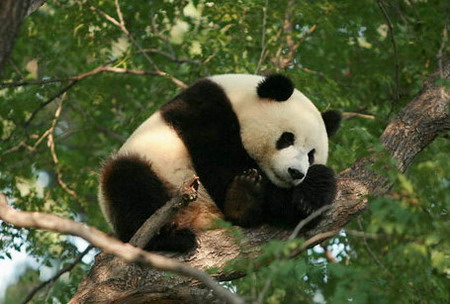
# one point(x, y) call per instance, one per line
point(317, 190)
point(250, 180)
point(244, 199)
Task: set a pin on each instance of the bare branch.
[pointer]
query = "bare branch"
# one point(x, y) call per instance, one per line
point(56, 276)
point(125, 251)
point(307, 220)
point(394, 45)
point(110, 133)
point(121, 24)
point(441, 53)
point(47, 102)
point(34, 6)
point(82, 76)
point(263, 38)
point(348, 115)
point(369, 250)
point(51, 145)
point(361, 234)
point(162, 216)
point(171, 57)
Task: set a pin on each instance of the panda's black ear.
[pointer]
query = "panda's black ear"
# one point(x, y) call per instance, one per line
point(276, 86)
point(332, 121)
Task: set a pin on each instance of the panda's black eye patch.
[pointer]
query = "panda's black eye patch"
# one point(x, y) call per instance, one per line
point(286, 139)
point(311, 156)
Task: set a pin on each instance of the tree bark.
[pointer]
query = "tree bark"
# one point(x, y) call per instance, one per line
point(12, 13)
point(417, 124)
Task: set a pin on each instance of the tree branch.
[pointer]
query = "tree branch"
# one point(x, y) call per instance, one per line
point(98, 70)
point(162, 216)
point(380, 4)
point(56, 276)
point(124, 251)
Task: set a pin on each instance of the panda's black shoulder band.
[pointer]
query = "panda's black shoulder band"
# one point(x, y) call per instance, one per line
point(277, 87)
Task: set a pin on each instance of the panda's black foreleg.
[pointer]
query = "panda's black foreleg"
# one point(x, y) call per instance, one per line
point(287, 206)
point(172, 239)
point(244, 199)
point(317, 190)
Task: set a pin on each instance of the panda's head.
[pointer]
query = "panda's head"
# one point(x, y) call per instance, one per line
point(280, 128)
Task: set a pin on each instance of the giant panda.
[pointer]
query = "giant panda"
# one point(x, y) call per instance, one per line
point(257, 144)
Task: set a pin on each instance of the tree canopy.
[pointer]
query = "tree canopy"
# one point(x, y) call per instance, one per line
point(84, 74)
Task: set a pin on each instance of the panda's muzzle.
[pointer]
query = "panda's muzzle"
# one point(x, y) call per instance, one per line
point(295, 173)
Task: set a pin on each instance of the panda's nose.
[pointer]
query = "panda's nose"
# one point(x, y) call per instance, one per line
point(295, 174)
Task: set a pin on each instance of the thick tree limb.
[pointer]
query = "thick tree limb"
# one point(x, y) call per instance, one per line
point(124, 251)
point(409, 133)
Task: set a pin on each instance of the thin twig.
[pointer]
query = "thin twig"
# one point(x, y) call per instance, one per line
point(369, 250)
point(394, 45)
point(48, 101)
point(125, 251)
point(110, 133)
point(51, 145)
point(56, 276)
point(307, 220)
point(293, 235)
point(265, 289)
point(361, 234)
point(121, 24)
point(79, 77)
point(162, 216)
point(441, 52)
point(263, 37)
point(171, 56)
point(119, 13)
point(316, 239)
point(28, 121)
point(348, 115)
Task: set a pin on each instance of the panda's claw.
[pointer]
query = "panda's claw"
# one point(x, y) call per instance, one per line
point(250, 178)
point(243, 203)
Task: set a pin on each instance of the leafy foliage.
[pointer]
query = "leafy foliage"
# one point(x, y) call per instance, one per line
point(339, 53)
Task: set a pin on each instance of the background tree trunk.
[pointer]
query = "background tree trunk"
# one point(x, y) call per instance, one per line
point(12, 13)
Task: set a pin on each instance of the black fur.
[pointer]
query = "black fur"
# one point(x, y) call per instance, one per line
point(204, 119)
point(134, 192)
point(332, 121)
point(172, 239)
point(277, 87)
point(287, 206)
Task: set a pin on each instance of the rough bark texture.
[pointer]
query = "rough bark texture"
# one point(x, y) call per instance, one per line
point(12, 13)
point(409, 133)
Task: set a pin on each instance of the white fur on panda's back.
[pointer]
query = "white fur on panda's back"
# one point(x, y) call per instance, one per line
point(155, 140)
